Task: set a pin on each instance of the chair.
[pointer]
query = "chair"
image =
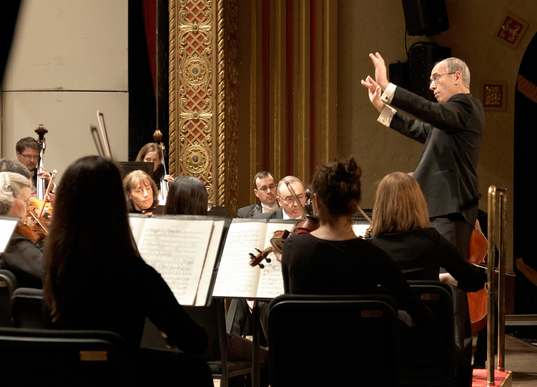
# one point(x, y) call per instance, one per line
point(427, 358)
point(8, 284)
point(27, 308)
point(212, 318)
point(333, 341)
point(64, 358)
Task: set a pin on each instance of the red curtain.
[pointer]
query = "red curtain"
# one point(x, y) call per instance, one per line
point(149, 9)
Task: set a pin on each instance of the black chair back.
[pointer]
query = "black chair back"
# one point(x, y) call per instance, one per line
point(8, 284)
point(333, 341)
point(27, 308)
point(64, 358)
point(427, 358)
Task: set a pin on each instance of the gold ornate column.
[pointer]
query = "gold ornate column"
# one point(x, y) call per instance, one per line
point(200, 144)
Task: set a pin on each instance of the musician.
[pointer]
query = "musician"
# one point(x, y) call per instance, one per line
point(22, 257)
point(187, 195)
point(265, 191)
point(140, 191)
point(152, 153)
point(400, 227)
point(28, 152)
point(332, 259)
point(289, 209)
point(9, 165)
point(94, 274)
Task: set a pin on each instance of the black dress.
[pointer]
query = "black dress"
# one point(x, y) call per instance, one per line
point(316, 266)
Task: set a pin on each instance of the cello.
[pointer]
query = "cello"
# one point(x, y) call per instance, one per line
point(477, 301)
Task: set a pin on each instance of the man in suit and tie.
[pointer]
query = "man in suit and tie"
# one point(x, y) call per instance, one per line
point(265, 190)
point(289, 208)
point(451, 131)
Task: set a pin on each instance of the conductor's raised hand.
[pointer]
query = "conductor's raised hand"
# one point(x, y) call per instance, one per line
point(381, 75)
point(374, 92)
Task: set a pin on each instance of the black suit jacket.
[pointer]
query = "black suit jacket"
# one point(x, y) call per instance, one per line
point(278, 214)
point(249, 211)
point(451, 133)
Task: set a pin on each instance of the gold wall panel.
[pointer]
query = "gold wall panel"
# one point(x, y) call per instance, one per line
point(199, 144)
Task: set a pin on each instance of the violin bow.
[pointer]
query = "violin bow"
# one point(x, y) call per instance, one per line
point(49, 188)
point(107, 152)
point(364, 214)
point(293, 194)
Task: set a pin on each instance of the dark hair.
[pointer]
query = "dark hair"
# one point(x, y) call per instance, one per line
point(15, 166)
point(27, 142)
point(262, 175)
point(89, 235)
point(337, 185)
point(187, 195)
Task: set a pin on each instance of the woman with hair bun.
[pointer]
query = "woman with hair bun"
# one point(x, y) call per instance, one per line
point(332, 259)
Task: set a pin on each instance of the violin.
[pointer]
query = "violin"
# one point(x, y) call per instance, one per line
point(38, 216)
point(308, 224)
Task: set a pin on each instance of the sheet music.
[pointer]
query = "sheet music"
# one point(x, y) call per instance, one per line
point(208, 265)
point(177, 250)
point(7, 226)
point(360, 228)
point(270, 278)
point(137, 221)
point(236, 278)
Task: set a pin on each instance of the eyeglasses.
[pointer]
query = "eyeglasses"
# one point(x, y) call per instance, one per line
point(270, 187)
point(30, 157)
point(436, 77)
point(290, 199)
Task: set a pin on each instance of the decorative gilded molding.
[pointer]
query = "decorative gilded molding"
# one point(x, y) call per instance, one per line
point(232, 120)
point(221, 109)
point(192, 100)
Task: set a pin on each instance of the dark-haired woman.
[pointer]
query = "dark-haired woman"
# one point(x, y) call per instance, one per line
point(187, 195)
point(332, 259)
point(96, 279)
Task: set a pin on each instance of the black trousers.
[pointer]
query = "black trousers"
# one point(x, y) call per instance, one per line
point(456, 230)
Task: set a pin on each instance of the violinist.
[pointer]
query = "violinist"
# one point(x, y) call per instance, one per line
point(22, 257)
point(94, 272)
point(188, 196)
point(289, 209)
point(332, 260)
point(28, 151)
point(141, 192)
point(152, 153)
point(401, 228)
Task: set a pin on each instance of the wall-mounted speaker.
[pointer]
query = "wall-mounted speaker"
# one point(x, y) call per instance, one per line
point(425, 17)
point(422, 58)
